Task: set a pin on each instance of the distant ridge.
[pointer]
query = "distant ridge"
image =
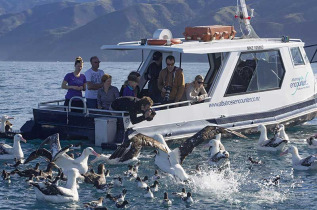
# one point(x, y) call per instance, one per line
point(50, 30)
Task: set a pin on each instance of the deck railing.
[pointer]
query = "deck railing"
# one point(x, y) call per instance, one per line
point(56, 106)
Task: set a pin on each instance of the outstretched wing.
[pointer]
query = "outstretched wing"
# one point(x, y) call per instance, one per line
point(207, 133)
point(39, 153)
point(54, 143)
point(133, 147)
point(62, 151)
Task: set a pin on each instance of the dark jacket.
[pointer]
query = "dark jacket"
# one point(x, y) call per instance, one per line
point(130, 104)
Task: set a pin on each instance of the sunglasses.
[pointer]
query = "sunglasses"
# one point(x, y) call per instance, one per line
point(170, 64)
point(200, 82)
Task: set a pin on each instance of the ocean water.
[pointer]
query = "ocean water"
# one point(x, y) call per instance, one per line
point(24, 84)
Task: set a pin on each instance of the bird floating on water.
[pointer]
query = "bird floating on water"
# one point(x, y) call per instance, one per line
point(274, 144)
point(308, 163)
point(12, 152)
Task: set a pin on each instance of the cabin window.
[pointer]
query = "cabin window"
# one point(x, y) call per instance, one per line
point(257, 71)
point(297, 56)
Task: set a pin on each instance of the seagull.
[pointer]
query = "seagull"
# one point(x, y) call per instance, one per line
point(308, 163)
point(93, 204)
point(8, 152)
point(57, 194)
point(59, 156)
point(149, 193)
point(274, 144)
point(171, 161)
point(130, 150)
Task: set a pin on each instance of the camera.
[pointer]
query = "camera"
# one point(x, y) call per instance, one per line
point(153, 113)
point(167, 93)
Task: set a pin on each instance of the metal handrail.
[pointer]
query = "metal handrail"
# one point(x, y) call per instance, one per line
point(82, 99)
point(188, 103)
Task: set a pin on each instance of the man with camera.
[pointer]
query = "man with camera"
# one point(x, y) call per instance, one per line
point(135, 106)
point(171, 82)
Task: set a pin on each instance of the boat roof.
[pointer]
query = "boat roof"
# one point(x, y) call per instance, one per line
point(216, 46)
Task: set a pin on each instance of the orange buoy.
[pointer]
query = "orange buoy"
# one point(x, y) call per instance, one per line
point(163, 41)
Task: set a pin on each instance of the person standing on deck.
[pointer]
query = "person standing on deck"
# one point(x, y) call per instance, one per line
point(93, 76)
point(74, 83)
point(171, 82)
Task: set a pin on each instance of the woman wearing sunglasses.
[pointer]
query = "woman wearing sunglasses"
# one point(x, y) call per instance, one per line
point(195, 91)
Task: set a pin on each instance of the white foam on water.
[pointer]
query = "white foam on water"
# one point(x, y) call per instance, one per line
point(217, 184)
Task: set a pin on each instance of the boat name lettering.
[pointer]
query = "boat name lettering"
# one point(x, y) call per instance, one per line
point(259, 47)
point(299, 83)
point(236, 101)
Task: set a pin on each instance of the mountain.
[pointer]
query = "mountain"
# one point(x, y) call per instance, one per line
point(62, 30)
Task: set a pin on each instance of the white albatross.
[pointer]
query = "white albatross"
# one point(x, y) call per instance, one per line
point(5, 125)
point(8, 152)
point(274, 144)
point(218, 153)
point(59, 156)
point(57, 194)
point(171, 161)
point(303, 164)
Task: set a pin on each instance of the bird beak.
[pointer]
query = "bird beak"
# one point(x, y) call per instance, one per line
point(96, 154)
point(284, 153)
point(23, 139)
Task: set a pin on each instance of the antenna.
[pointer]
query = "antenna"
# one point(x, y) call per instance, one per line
point(246, 19)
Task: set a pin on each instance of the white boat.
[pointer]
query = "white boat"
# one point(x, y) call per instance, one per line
point(250, 81)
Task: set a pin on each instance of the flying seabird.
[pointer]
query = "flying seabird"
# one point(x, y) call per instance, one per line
point(171, 161)
point(130, 150)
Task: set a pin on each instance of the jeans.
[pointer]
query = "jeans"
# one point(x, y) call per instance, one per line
point(91, 103)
